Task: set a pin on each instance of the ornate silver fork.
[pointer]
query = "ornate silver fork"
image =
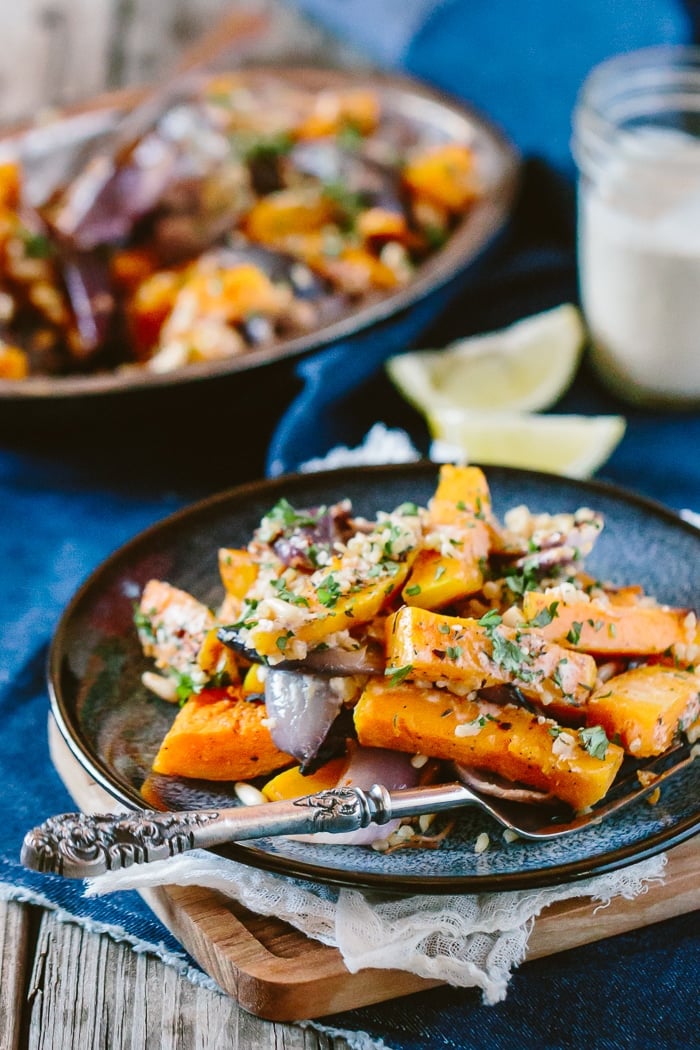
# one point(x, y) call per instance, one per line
point(80, 845)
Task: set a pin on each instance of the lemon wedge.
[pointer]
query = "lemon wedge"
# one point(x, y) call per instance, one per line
point(559, 444)
point(523, 368)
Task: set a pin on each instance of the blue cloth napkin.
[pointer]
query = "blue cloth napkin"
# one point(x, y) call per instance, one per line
point(68, 502)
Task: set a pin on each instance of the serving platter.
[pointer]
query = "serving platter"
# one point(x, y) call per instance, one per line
point(113, 725)
point(48, 151)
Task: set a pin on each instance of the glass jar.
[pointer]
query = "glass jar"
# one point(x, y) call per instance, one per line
point(637, 146)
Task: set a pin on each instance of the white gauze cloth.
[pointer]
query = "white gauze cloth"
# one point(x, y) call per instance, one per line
point(463, 940)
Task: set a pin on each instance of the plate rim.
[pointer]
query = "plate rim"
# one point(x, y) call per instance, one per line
point(253, 856)
point(470, 238)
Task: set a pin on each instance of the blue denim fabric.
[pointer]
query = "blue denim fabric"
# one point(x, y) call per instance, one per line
point(637, 991)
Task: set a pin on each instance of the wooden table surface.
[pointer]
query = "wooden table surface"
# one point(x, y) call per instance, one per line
point(65, 988)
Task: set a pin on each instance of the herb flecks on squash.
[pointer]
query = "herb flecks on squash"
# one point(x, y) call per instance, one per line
point(503, 739)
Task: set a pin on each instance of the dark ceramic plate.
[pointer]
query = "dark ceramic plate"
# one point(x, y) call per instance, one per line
point(114, 726)
point(46, 153)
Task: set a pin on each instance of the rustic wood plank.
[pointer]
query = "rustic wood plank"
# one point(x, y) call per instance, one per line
point(15, 963)
point(75, 49)
point(88, 990)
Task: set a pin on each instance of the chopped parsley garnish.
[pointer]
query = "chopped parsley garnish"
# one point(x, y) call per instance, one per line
point(435, 235)
point(286, 595)
point(394, 533)
point(348, 203)
point(349, 136)
point(284, 514)
point(414, 590)
point(267, 147)
point(282, 640)
point(329, 591)
point(574, 634)
point(397, 675)
point(594, 740)
point(144, 624)
point(545, 616)
point(36, 245)
point(444, 628)
point(508, 655)
point(408, 510)
point(185, 687)
point(490, 619)
point(453, 652)
point(556, 675)
point(520, 582)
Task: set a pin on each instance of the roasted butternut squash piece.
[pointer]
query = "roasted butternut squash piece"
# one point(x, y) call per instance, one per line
point(216, 660)
point(460, 491)
point(285, 213)
point(603, 625)
point(172, 627)
point(10, 185)
point(217, 735)
point(316, 621)
point(14, 362)
point(445, 175)
point(644, 708)
point(476, 654)
point(357, 109)
point(376, 226)
point(149, 308)
point(254, 680)
point(458, 513)
point(292, 783)
point(576, 766)
point(238, 571)
point(354, 270)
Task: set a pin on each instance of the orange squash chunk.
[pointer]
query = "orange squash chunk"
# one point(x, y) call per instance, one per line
point(10, 185)
point(461, 650)
point(217, 735)
point(283, 214)
point(333, 111)
point(238, 571)
point(506, 740)
point(291, 783)
point(460, 491)
point(445, 175)
point(14, 362)
point(604, 627)
point(461, 503)
point(357, 607)
point(645, 707)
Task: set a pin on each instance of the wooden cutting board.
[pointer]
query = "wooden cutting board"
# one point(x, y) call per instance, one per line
point(276, 972)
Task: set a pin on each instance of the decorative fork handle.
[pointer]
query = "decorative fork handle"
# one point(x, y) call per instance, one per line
point(80, 845)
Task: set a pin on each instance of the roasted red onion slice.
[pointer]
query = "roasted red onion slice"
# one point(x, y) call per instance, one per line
point(301, 709)
point(487, 783)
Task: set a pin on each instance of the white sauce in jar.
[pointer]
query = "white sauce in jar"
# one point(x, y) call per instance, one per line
point(639, 266)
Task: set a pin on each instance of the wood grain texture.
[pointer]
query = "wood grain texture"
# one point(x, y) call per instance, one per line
point(56, 53)
point(88, 991)
point(276, 972)
point(15, 960)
